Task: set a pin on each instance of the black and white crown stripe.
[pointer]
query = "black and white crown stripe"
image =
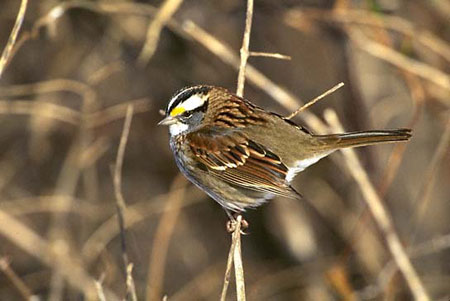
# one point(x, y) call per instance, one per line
point(184, 94)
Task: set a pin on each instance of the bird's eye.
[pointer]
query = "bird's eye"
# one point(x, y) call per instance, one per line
point(186, 115)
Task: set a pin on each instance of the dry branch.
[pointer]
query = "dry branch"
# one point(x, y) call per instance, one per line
point(119, 159)
point(245, 49)
point(271, 55)
point(312, 102)
point(238, 266)
point(120, 202)
point(4, 59)
point(235, 249)
point(233, 255)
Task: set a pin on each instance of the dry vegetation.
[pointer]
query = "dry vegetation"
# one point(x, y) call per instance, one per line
point(91, 203)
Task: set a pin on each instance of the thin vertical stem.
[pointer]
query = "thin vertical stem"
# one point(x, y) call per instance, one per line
point(238, 266)
point(244, 49)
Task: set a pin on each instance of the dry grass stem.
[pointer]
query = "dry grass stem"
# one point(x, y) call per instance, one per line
point(245, 49)
point(131, 288)
point(168, 8)
point(380, 215)
point(234, 254)
point(119, 159)
point(17, 282)
point(120, 201)
point(235, 250)
point(6, 54)
point(238, 266)
point(312, 102)
point(164, 232)
point(278, 56)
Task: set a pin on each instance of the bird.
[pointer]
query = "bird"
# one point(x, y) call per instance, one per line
point(242, 155)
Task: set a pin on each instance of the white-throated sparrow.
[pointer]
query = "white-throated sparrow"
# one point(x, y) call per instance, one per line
point(242, 155)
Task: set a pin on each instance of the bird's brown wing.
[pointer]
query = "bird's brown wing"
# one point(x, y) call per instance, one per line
point(234, 158)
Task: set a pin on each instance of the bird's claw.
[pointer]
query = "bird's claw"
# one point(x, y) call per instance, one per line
point(231, 224)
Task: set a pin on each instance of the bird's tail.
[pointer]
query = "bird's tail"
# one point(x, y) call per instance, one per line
point(356, 139)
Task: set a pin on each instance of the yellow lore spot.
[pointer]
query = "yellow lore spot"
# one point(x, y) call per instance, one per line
point(177, 111)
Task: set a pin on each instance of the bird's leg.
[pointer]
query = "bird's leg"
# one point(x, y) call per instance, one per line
point(230, 215)
point(231, 223)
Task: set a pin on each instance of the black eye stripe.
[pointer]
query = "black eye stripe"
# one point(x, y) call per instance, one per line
point(183, 94)
point(188, 114)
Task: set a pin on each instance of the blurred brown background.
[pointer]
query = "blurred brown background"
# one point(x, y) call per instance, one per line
point(63, 99)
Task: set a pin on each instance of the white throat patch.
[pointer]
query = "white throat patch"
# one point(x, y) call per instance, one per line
point(177, 128)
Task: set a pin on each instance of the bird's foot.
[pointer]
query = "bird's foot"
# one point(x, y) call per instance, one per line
point(232, 223)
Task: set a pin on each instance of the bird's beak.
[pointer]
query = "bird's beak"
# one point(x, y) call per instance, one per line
point(168, 121)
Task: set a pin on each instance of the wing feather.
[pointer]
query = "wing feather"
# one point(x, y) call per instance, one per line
point(231, 156)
